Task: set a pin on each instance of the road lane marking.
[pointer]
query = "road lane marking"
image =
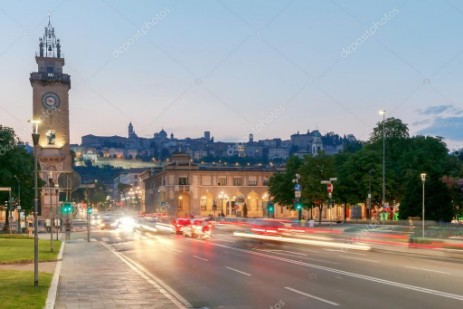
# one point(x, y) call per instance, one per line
point(435, 271)
point(215, 239)
point(238, 271)
point(360, 259)
point(313, 251)
point(334, 250)
point(105, 239)
point(351, 274)
point(198, 257)
point(176, 250)
point(312, 296)
point(285, 254)
point(281, 252)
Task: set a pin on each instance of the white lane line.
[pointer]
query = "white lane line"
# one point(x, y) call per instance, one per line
point(105, 239)
point(282, 252)
point(200, 258)
point(238, 271)
point(176, 250)
point(313, 251)
point(215, 239)
point(292, 252)
point(334, 250)
point(352, 274)
point(360, 259)
point(435, 271)
point(312, 296)
point(285, 254)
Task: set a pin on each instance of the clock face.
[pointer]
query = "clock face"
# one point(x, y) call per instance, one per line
point(50, 100)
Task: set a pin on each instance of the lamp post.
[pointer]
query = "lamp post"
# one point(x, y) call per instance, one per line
point(19, 203)
point(297, 195)
point(51, 186)
point(383, 112)
point(423, 180)
point(35, 139)
point(329, 188)
point(369, 193)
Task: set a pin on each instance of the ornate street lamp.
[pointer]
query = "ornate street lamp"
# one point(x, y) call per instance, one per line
point(35, 139)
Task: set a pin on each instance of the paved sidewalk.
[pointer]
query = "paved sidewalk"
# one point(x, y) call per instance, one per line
point(93, 276)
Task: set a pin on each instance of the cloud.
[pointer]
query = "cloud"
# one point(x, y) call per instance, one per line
point(436, 110)
point(448, 128)
point(422, 122)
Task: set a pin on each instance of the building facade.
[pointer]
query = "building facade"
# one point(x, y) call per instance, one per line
point(184, 189)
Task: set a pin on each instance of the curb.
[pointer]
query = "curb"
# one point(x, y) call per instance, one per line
point(52, 291)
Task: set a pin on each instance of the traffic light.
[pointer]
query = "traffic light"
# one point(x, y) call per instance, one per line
point(298, 205)
point(67, 208)
point(270, 210)
point(90, 210)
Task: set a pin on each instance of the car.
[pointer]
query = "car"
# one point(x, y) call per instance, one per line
point(177, 225)
point(198, 228)
point(108, 224)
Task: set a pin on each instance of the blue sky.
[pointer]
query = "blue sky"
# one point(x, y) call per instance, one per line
point(235, 67)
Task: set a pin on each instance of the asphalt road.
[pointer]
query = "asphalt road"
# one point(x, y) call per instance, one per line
point(227, 272)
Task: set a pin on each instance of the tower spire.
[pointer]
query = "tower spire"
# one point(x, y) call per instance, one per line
point(49, 45)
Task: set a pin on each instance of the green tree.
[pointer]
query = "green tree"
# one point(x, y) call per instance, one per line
point(313, 171)
point(16, 161)
point(281, 187)
point(426, 155)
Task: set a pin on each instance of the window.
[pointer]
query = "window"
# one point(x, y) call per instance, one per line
point(222, 181)
point(252, 181)
point(265, 181)
point(237, 181)
point(183, 181)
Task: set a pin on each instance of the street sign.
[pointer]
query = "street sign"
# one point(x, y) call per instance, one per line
point(297, 194)
point(297, 187)
point(329, 187)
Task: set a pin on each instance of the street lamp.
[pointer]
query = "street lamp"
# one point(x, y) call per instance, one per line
point(51, 186)
point(383, 112)
point(35, 139)
point(369, 192)
point(423, 180)
point(19, 203)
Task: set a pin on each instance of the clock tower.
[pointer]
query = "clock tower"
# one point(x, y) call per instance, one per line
point(50, 106)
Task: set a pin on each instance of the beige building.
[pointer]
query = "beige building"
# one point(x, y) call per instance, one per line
point(182, 189)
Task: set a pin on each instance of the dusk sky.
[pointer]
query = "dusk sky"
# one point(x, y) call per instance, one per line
point(271, 68)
